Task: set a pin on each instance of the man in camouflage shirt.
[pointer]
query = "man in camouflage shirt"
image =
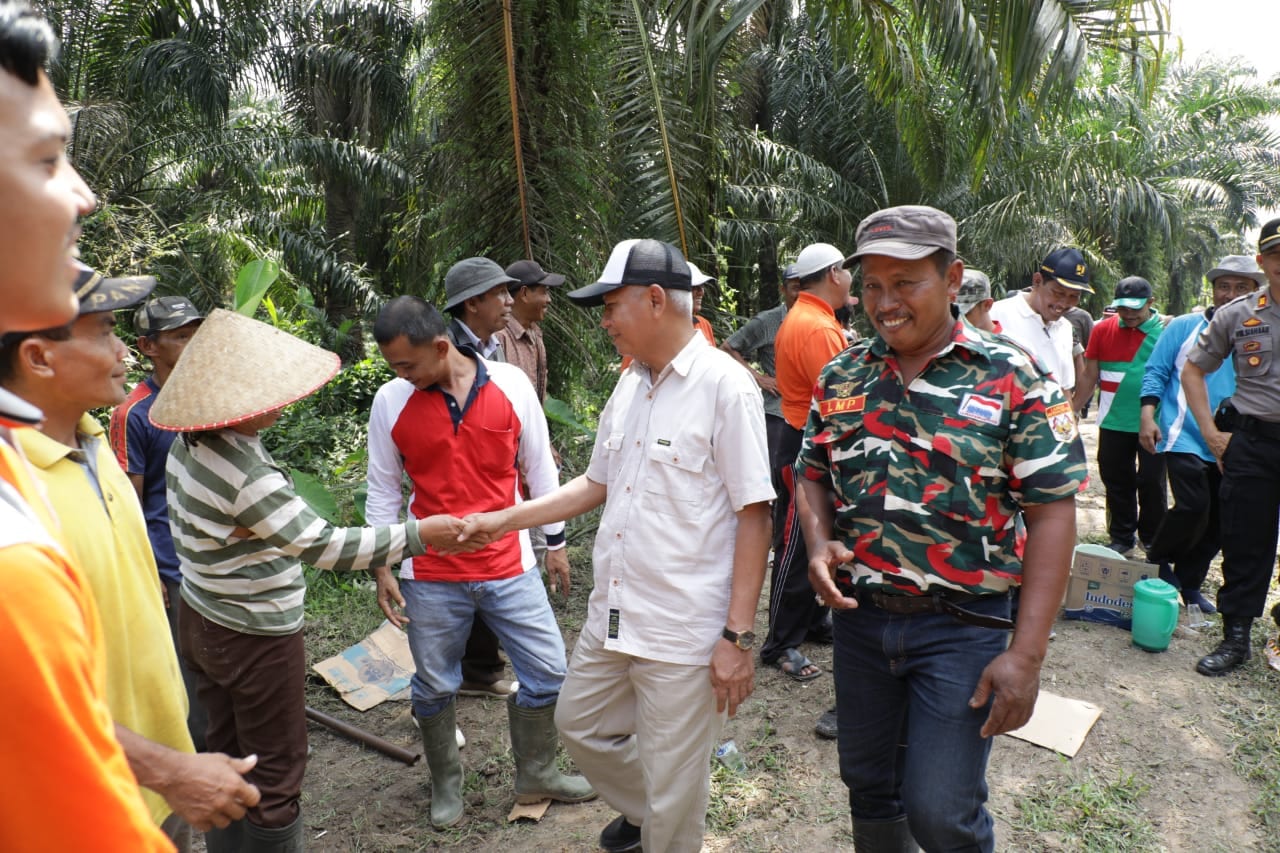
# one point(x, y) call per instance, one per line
point(921, 446)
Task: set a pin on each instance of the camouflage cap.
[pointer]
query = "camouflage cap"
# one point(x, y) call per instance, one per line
point(165, 313)
point(974, 288)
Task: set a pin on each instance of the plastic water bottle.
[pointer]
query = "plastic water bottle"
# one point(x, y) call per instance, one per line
point(727, 754)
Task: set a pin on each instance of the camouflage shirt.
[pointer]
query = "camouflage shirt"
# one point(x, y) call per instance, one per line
point(928, 479)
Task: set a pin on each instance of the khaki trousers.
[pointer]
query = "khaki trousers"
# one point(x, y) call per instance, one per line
point(642, 732)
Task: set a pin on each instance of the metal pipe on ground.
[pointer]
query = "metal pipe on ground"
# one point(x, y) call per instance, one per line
point(361, 736)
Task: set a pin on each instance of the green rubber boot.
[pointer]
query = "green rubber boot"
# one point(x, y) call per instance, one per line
point(439, 742)
point(533, 742)
point(281, 839)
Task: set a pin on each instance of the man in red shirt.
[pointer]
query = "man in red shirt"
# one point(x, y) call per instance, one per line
point(809, 337)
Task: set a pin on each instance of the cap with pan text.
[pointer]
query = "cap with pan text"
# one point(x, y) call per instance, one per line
point(97, 293)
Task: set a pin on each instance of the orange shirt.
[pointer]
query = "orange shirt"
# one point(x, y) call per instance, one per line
point(809, 337)
point(70, 786)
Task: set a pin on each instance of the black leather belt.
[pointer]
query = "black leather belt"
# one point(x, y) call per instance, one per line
point(939, 601)
point(1256, 426)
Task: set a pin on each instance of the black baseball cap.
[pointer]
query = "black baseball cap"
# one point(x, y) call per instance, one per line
point(531, 273)
point(1069, 267)
point(98, 293)
point(1269, 238)
point(637, 262)
point(165, 313)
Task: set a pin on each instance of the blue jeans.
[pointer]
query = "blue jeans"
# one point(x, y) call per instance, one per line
point(908, 741)
point(517, 610)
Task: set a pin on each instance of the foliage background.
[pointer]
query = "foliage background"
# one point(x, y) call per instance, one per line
point(366, 145)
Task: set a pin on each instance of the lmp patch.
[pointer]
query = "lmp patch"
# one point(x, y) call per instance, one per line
point(842, 405)
point(984, 410)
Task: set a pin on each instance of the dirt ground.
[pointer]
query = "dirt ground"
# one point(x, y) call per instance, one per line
point(1161, 747)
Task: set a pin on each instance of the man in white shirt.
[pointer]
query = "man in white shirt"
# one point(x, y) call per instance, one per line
point(1035, 320)
point(681, 466)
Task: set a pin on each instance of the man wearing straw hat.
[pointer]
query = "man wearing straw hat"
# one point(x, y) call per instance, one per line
point(463, 429)
point(68, 371)
point(242, 534)
point(478, 300)
point(55, 730)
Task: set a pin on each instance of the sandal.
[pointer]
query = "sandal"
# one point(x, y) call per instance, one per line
point(792, 664)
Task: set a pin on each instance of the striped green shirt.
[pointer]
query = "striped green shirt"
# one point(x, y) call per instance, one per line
point(255, 584)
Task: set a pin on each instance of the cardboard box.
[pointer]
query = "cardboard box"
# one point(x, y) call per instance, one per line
point(1101, 588)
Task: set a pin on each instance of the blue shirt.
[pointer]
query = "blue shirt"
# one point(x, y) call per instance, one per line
point(142, 449)
point(1179, 432)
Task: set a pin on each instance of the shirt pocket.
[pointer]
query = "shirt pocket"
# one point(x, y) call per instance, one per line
point(965, 471)
point(1253, 356)
point(674, 482)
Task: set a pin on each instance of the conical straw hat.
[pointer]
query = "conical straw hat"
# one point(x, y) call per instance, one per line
point(236, 368)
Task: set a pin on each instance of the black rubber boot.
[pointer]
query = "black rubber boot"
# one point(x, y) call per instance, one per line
point(883, 836)
point(533, 743)
point(282, 839)
point(1232, 651)
point(440, 743)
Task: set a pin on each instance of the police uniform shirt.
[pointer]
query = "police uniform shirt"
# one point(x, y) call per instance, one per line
point(1248, 330)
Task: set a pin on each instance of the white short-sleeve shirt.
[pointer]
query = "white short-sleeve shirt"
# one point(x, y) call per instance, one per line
point(680, 454)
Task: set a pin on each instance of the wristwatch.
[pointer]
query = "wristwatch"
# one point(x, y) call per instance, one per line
point(745, 640)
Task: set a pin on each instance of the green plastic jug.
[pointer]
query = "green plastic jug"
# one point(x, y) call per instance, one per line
point(1155, 614)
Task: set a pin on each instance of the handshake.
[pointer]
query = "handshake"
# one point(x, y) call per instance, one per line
point(450, 535)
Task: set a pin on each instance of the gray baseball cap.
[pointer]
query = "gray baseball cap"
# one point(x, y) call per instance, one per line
point(163, 314)
point(1242, 265)
point(907, 232)
point(473, 277)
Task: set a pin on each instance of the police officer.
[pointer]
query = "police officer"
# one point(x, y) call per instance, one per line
point(1247, 330)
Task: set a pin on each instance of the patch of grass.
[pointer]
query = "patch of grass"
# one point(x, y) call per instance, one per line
point(1254, 716)
point(342, 609)
point(1083, 811)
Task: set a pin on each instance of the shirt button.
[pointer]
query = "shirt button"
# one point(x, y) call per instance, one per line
point(628, 489)
point(617, 535)
point(637, 444)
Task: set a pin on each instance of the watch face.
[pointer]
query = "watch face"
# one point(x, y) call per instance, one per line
point(747, 640)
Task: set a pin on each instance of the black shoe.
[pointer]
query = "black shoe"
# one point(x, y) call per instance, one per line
point(1120, 548)
point(826, 727)
point(620, 835)
point(1232, 651)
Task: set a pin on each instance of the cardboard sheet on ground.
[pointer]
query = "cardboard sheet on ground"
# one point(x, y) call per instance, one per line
point(1059, 723)
point(372, 671)
point(528, 811)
